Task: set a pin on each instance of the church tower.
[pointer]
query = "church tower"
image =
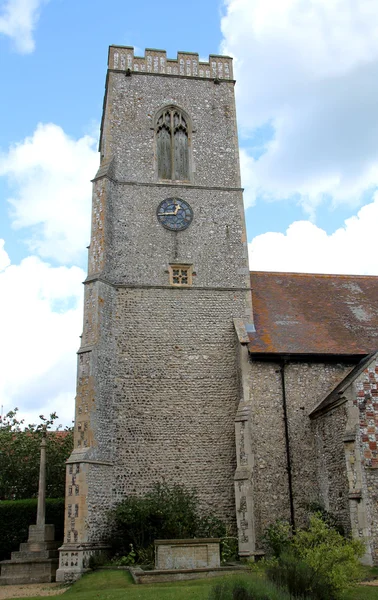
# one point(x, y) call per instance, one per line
point(158, 383)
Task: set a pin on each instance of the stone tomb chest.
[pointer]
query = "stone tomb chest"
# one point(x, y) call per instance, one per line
point(187, 554)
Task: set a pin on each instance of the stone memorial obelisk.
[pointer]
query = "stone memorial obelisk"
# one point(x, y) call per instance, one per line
point(37, 560)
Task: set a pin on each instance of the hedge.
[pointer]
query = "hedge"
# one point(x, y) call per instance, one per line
point(17, 515)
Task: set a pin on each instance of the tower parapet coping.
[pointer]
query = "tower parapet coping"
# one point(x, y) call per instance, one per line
point(187, 64)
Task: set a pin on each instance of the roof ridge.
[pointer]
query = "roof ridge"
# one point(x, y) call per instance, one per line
point(327, 275)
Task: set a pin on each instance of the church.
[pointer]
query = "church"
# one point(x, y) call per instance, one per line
point(259, 390)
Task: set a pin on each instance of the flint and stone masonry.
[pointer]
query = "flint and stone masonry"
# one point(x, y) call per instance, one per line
point(158, 381)
point(177, 379)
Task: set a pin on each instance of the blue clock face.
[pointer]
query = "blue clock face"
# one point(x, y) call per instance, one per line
point(174, 214)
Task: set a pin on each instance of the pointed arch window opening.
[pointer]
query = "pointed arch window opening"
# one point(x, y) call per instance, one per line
point(172, 141)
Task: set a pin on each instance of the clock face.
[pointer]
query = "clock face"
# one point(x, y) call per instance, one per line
point(174, 214)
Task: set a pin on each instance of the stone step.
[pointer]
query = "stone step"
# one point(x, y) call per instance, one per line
point(25, 579)
point(29, 571)
point(39, 546)
point(27, 556)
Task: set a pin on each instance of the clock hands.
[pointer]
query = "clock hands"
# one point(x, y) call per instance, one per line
point(174, 213)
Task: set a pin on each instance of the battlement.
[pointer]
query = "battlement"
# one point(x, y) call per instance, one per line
point(187, 64)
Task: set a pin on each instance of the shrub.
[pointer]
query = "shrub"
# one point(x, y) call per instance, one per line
point(251, 589)
point(318, 562)
point(298, 577)
point(329, 553)
point(17, 515)
point(229, 549)
point(326, 516)
point(163, 513)
point(277, 537)
point(98, 560)
point(127, 560)
point(146, 556)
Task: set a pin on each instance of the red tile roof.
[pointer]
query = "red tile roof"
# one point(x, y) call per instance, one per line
point(298, 313)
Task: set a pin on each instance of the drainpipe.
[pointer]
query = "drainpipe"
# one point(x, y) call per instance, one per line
point(287, 442)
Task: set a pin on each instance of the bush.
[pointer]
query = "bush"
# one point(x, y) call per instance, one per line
point(332, 520)
point(163, 513)
point(277, 538)
point(17, 515)
point(251, 589)
point(298, 577)
point(98, 560)
point(125, 561)
point(318, 562)
point(146, 556)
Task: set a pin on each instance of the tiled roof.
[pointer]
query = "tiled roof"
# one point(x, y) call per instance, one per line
point(297, 313)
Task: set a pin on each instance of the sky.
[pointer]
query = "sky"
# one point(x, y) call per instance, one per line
point(307, 97)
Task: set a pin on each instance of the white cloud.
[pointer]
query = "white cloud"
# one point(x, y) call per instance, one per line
point(40, 323)
point(18, 19)
point(50, 174)
point(310, 70)
point(308, 249)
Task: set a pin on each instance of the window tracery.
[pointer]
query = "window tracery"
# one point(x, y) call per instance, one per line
point(180, 275)
point(172, 144)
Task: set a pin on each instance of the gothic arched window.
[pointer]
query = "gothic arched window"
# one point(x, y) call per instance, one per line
point(172, 144)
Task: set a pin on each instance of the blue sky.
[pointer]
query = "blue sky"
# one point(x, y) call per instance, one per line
point(307, 91)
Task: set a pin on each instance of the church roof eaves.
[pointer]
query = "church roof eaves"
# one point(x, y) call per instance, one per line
point(337, 395)
point(313, 314)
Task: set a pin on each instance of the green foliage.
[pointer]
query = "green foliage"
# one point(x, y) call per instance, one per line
point(127, 560)
point(146, 556)
point(229, 548)
point(329, 553)
point(17, 515)
point(163, 513)
point(209, 526)
point(326, 516)
point(20, 447)
point(318, 562)
point(298, 577)
point(247, 589)
point(277, 537)
point(97, 560)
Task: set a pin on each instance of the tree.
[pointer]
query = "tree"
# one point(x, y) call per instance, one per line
point(20, 455)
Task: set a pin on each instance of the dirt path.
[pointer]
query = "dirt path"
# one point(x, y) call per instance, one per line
point(32, 589)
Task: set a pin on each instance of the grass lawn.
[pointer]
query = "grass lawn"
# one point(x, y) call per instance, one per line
point(118, 585)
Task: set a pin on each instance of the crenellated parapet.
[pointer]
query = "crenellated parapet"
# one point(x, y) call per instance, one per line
point(187, 64)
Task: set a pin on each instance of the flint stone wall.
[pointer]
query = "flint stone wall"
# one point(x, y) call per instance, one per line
point(306, 384)
point(176, 393)
point(331, 471)
point(160, 390)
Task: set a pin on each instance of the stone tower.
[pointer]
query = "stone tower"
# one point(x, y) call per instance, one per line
point(158, 383)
